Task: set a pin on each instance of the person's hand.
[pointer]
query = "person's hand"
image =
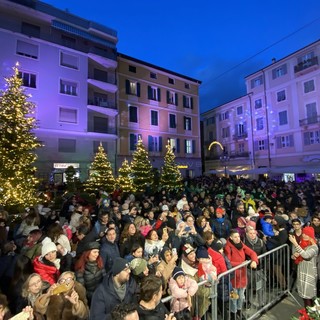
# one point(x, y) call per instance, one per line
point(174, 258)
point(253, 265)
point(73, 298)
point(29, 311)
point(293, 240)
point(50, 290)
point(170, 317)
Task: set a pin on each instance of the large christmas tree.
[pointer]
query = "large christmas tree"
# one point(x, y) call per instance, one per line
point(18, 184)
point(171, 178)
point(141, 168)
point(125, 180)
point(101, 175)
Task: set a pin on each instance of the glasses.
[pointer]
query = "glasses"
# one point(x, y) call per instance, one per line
point(66, 280)
point(35, 283)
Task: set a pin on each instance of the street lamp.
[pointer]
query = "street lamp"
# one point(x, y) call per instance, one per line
point(224, 159)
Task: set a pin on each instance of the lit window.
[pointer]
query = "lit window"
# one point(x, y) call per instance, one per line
point(258, 104)
point(187, 123)
point(281, 95)
point(259, 123)
point(68, 87)
point(28, 79)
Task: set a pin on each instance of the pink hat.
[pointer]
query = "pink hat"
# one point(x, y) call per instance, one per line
point(252, 224)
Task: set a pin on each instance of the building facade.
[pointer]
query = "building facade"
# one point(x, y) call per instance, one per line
point(69, 65)
point(159, 106)
point(276, 124)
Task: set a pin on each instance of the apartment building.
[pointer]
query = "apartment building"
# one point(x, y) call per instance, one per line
point(159, 106)
point(276, 124)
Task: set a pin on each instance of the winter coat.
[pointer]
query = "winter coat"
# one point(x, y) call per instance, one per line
point(236, 257)
point(32, 251)
point(57, 307)
point(91, 277)
point(166, 270)
point(105, 297)
point(221, 227)
point(267, 228)
point(108, 252)
point(217, 260)
point(158, 313)
point(179, 295)
point(47, 273)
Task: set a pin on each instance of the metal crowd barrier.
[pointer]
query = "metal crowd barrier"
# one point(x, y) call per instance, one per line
point(266, 286)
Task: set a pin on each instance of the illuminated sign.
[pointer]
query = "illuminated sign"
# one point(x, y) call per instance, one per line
point(183, 166)
point(66, 165)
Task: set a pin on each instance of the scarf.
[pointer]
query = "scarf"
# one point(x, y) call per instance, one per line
point(252, 242)
point(303, 244)
point(239, 245)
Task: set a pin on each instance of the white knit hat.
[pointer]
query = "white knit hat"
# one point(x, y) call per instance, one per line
point(47, 246)
point(64, 241)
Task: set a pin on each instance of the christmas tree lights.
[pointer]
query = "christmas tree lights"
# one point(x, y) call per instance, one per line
point(125, 179)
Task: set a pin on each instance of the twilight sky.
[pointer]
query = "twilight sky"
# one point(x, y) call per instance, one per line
point(206, 39)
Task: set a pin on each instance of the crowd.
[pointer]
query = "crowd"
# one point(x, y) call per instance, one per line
point(118, 258)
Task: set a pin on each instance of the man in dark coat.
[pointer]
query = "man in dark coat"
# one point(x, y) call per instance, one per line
point(117, 287)
point(109, 249)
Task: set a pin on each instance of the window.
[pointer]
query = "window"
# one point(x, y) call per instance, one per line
point(172, 121)
point(133, 141)
point(172, 98)
point(281, 95)
point(187, 85)
point(100, 99)
point(224, 116)
point(100, 124)
point(68, 115)
point(225, 132)
point(187, 102)
point(258, 81)
point(241, 130)
point(189, 146)
point(306, 58)
point(132, 69)
point(308, 86)
point(258, 104)
point(312, 115)
point(68, 41)
point(260, 145)
point(154, 144)
point(210, 120)
point(239, 110)
point(133, 88)
point(133, 114)
point(285, 141)
point(69, 60)
point(96, 144)
point(259, 123)
point(187, 123)
point(67, 145)
point(68, 87)
point(241, 147)
point(154, 118)
point(30, 30)
point(27, 49)
point(279, 72)
point(170, 80)
point(153, 75)
point(28, 79)
point(283, 118)
point(312, 137)
point(154, 93)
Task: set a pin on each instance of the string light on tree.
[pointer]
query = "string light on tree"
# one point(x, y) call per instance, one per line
point(125, 177)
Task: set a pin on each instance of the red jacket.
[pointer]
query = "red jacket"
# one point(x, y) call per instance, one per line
point(236, 257)
point(47, 273)
point(217, 260)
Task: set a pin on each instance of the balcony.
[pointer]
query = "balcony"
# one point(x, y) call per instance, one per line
point(311, 120)
point(105, 130)
point(106, 84)
point(306, 64)
point(102, 106)
point(239, 136)
point(106, 58)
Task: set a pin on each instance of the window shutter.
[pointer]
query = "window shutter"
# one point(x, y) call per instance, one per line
point(256, 146)
point(132, 141)
point(291, 140)
point(245, 127)
point(184, 123)
point(159, 94)
point(178, 146)
point(266, 146)
point(184, 101)
point(150, 143)
point(191, 102)
point(138, 89)
point(306, 137)
point(236, 130)
point(149, 93)
point(193, 146)
point(27, 49)
point(127, 86)
point(185, 146)
point(176, 99)
point(279, 145)
point(168, 96)
point(160, 144)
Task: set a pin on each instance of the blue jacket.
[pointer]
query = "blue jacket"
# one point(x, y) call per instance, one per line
point(267, 228)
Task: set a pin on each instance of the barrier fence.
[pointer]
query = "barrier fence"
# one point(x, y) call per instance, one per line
point(245, 293)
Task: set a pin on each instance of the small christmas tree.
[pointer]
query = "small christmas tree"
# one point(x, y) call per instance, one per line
point(141, 168)
point(125, 180)
point(171, 178)
point(101, 175)
point(18, 184)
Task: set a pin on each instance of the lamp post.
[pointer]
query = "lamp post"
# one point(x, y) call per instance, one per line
point(224, 159)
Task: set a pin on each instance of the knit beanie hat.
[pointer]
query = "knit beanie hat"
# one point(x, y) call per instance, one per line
point(217, 245)
point(138, 265)
point(202, 252)
point(119, 264)
point(252, 224)
point(309, 231)
point(177, 271)
point(242, 220)
point(187, 249)
point(64, 242)
point(47, 246)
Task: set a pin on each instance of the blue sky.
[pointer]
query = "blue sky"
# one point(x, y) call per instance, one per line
point(206, 38)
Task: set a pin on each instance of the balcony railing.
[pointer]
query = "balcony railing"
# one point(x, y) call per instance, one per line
point(104, 130)
point(306, 64)
point(232, 155)
point(242, 135)
point(104, 104)
point(310, 120)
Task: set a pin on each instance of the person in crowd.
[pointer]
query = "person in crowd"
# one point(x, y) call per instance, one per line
point(241, 227)
point(220, 224)
point(89, 268)
point(182, 288)
point(239, 212)
point(117, 287)
point(47, 264)
point(249, 202)
point(153, 244)
point(266, 225)
point(82, 237)
point(109, 249)
point(5, 313)
point(128, 237)
point(139, 270)
point(100, 226)
point(65, 300)
point(202, 225)
point(136, 252)
point(125, 311)
point(305, 256)
point(315, 224)
point(32, 245)
point(63, 253)
point(237, 252)
point(150, 305)
point(206, 269)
